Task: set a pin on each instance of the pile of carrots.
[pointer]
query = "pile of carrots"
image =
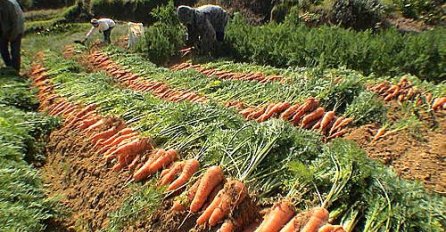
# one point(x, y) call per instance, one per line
point(127, 78)
point(282, 217)
point(405, 91)
point(260, 77)
point(308, 115)
point(68, 51)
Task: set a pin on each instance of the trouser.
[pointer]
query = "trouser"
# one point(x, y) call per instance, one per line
point(220, 35)
point(11, 58)
point(107, 34)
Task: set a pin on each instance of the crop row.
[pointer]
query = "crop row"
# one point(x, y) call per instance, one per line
point(24, 205)
point(269, 158)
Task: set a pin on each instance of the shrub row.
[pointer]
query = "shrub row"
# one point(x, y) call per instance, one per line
point(385, 53)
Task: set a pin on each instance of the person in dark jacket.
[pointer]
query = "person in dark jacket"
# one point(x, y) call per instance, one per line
point(205, 25)
point(12, 27)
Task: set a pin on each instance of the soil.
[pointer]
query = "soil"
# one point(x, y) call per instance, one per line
point(88, 187)
point(415, 155)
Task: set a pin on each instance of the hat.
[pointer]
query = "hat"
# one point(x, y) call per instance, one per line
point(94, 21)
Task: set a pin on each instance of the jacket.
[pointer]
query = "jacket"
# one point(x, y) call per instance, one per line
point(12, 20)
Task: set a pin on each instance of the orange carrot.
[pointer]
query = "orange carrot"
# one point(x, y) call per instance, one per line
point(289, 112)
point(317, 125)
point(342, 124)
point(378, 134)
point(88, 122)
point(439, 102)
point(313, 116)
point(328, 117)
point(309, 105)
point(227, 226)
point(335, 125)
point(256, 113)
point(297, 222)
point(95, 125)
point(211, 178)
point(280, 214)
point(429, 97)
point(247, 111)
point(106, 150)
point(338, 228)
point(318, 218)
point(338, 134)
point(168, 175)
point(204, 217)
point(131, 149)
point(150, 167)
point(190, 167)
point(105, 134)
point(235, 192)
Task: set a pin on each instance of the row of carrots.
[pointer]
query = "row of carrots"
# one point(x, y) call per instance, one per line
point(308, 115)
point(405, 91)
point(228, 75)
point(159, 89)
point(212, 196)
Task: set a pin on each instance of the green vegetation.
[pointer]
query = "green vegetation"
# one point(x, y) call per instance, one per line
point(272, 157)
point(385, 53)
point(23, 204)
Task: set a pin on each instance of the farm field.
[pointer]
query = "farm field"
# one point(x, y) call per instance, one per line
point(104, 138)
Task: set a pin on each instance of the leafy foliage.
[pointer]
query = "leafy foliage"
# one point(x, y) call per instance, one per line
point(23, 204)
point(366, 108)
point(165, 37)
point(385, 53)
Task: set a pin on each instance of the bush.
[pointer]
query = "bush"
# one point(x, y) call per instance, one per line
point(129, 10)
point(164, 38)
point(357, 14)
point(385, 53)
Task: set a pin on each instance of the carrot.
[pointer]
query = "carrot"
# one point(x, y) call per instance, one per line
point(168, 175)
point(134, 163)
point(227, 226)
point(378, 134)
point(235, 192)
point(128, 150)
point(122, 132)
point(105, 134)
point(88, 122)
point(178, 205)
point(190, 167)
point(276, 109)
point(318, 218)
point(313, 116)
point(289, 112)
point(95, 126)
point(106, 150)
point(328, 117)
point(317, 124)
point(331, 228)
point(297, 222)
point(280, 214)
point(267, 114)
point(338, 134)
point(393, 92)
point(204, 217)
point(342, 124)
point(152, 167)
point(211, 178)
point(256, 113)
point(336, 123)
point(439, 102)
point(247, 111)
point(309, 105)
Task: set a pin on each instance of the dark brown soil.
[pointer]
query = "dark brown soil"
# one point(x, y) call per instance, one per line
point(89, 188)
point(414, 155)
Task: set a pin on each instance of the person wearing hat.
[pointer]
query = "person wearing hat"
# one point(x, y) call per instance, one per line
point(104, 25)
point(12, 28)
point(205, 25)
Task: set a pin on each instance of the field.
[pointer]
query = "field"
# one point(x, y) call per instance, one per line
point(267, 137)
